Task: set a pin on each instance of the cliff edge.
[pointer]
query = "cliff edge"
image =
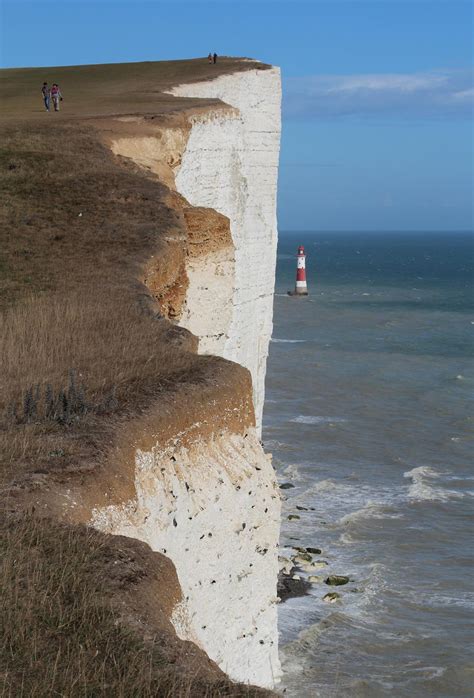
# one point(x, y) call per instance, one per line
point(143, 332)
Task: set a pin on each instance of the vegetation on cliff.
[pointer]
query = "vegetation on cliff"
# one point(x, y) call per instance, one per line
point(85, 352)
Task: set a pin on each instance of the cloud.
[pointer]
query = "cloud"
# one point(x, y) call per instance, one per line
point(434, 94)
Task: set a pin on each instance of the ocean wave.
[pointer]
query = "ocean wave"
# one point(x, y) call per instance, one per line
point(277, 445)
point(423, 488)
point(320, 486)
point(461, 600)
point(430, 599)
point(313, 419)
point(346, 503)
point(348, 539)
point(276, 340)
point(371, 510)
point(291, 472)
point(423, 471)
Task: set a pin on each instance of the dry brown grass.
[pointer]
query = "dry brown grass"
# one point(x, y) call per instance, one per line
point(73, 305)
point(62, 613)
point(70, 217)
point(118, 88)
point(43, 340)
point(83, 351)
point(71, 368)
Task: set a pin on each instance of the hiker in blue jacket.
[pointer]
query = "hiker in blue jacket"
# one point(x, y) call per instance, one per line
point(45, 91)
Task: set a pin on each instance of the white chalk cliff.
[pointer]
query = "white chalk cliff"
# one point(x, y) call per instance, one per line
point(208, 498)
point(231, 165)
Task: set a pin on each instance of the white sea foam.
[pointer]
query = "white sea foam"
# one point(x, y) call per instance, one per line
point(432, 599)
point(272, 444)
point(276, 340)
point(291, 472)
point(431, 672)
point(347, 502)
point(313, 419)
point(320, 486)
point(459, 600)
point(372, 510)
point(423, 488)
point(348, 539)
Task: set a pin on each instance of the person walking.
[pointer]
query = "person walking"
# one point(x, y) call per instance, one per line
point(45, 91)
point(214, 58)
point(209, 58)
point(56, 96)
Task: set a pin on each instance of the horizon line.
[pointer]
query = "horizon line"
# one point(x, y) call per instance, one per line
point(375, 230)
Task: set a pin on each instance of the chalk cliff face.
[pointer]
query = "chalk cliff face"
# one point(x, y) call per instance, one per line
point(230, 164)
point(213, 508)
point(206, 496)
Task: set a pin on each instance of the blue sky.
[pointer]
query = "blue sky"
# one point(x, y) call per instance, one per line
point(378, 94)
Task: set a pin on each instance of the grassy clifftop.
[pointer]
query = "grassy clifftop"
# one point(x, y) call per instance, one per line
point(112, 89)
point(87, 354)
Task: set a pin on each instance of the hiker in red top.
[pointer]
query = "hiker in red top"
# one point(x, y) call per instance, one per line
point(56, 96)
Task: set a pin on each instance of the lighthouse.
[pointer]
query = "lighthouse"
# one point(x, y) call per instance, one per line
point(301, 288)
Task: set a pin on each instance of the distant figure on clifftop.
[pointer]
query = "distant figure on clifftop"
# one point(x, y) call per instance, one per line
point(214, 58)
point(46, 95)
point(56, 96)
point(209, 58)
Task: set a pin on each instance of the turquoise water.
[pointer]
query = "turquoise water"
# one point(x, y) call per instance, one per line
point(369, 415)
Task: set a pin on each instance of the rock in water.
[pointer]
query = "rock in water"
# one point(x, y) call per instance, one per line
point(285, 564)
point(286, 486)
point(315, 578)
point(293, 517)
point(301, 558)
point(336, 580)
point(289, 587)
point(314, 551)
point(332, 597)
point(317, 565)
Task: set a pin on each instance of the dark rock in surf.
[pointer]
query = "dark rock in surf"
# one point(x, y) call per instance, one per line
point(302, 557)
point(289, 588)
point(336, 580)
point(332, 597)
point(286, 486)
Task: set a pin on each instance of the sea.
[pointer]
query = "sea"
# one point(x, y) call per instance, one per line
point(369, 416)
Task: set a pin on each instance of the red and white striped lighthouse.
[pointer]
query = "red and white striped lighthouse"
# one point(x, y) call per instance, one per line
point(301, 288)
